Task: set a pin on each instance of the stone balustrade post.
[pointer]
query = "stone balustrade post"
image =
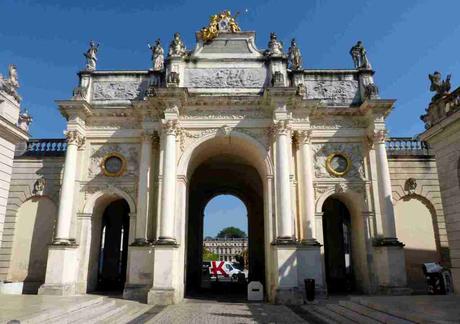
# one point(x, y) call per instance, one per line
point(64, 220)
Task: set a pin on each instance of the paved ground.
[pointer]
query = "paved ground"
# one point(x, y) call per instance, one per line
point(24, 306)
point(205, 311)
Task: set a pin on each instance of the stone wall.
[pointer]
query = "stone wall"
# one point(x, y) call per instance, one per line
point(26, 171)
point(419, 212)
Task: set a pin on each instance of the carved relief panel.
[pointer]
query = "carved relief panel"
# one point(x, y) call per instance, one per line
point(352, 151)
point(130, 152)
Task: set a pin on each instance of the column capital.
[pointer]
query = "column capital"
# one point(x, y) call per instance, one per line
point(303, 136)
point(281, 127)
point(378, 136)
point(170, 127)
point(73, 137)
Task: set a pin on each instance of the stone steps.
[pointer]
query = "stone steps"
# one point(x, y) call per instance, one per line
point(98, 310)
point(382, 317)
point(353, 312)
point(50, 315)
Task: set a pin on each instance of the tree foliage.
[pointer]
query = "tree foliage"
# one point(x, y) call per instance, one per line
point(231, 232)
point(209, 256)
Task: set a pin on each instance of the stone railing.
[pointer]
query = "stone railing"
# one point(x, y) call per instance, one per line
point(406, 146)
point(43, 147)
point(441, 108)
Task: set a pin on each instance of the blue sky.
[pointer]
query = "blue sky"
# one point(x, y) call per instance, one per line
point(405, 41)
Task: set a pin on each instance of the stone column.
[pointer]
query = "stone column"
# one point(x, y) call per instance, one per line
point(308, 193)
point(385, 191)
point(285, 224)
point(74, 141)
point(143, 196)
point(389, 252)
point(168, 194)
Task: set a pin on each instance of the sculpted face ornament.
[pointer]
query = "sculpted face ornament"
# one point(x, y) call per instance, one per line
point(113, 165)
point(223, 22)
point(338, 164)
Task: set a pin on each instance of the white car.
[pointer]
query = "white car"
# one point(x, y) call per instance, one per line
point(222, 270)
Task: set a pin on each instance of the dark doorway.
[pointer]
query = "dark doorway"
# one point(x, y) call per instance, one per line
point(337, 247)
point(230, 176)
point(114, 247)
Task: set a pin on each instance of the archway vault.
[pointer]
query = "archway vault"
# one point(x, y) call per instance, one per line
point(225, 165)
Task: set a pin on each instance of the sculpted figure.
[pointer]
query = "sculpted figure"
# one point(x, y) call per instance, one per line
point(11, 84)
point(294, 56)
point(275, 47)
point(90, 55)
point(24, 120)
point(438, 85)
point(359, 55)
point(157, 56)
point(177, 47)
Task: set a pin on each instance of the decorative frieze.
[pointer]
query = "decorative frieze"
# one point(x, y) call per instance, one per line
point(118, 90)
point(334, 122)
point(225, 78)
point(336, 91)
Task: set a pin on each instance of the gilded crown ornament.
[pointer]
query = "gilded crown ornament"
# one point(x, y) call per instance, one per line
point(222, 22)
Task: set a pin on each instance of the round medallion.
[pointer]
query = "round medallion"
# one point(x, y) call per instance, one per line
point(338, 164)
point(113, 165)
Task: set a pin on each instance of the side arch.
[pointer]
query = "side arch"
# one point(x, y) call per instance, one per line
point(109, 194)
point(417, 227)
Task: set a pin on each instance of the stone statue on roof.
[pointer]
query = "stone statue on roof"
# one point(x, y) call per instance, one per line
point(359, 56)
point(11, 84)
point(90, 55)
point(275, 47)
point(177, 47)
point(438, 85)
point(294, 56)
point(157, 56)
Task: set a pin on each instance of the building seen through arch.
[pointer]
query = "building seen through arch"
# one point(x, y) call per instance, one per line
point(305, 150)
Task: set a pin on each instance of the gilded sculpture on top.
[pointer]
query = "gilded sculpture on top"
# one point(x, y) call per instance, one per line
point(222, 22)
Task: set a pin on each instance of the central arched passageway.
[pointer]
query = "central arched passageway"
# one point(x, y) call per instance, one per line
point(233, 165)
point(225, 174)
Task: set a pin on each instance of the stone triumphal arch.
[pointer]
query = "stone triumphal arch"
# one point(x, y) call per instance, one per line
point(304, 149)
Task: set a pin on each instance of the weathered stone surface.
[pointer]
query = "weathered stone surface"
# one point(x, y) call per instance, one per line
point(113, 90)
point(225, 78)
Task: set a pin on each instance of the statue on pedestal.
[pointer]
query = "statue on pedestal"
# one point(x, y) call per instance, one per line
point(294, 56)
point(11, 84)
point(157, 56)
point(438, 85)
point(90, 55)
point(359, 55)
point(177, 47)
point(275, 47)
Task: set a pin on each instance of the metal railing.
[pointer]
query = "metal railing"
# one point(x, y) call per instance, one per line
point(406, 146)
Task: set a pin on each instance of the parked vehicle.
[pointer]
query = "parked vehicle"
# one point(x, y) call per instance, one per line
point(222, 271)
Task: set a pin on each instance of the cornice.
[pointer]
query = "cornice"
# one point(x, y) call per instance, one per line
point(11, 132)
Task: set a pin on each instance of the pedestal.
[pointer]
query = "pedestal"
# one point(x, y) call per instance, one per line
point(165, 289)
point(287, 288)
point(309, 267)
point(390, 266)
point(139, 276)
point(61, 271)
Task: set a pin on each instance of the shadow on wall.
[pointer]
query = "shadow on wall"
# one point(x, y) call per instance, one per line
point(36, 219)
